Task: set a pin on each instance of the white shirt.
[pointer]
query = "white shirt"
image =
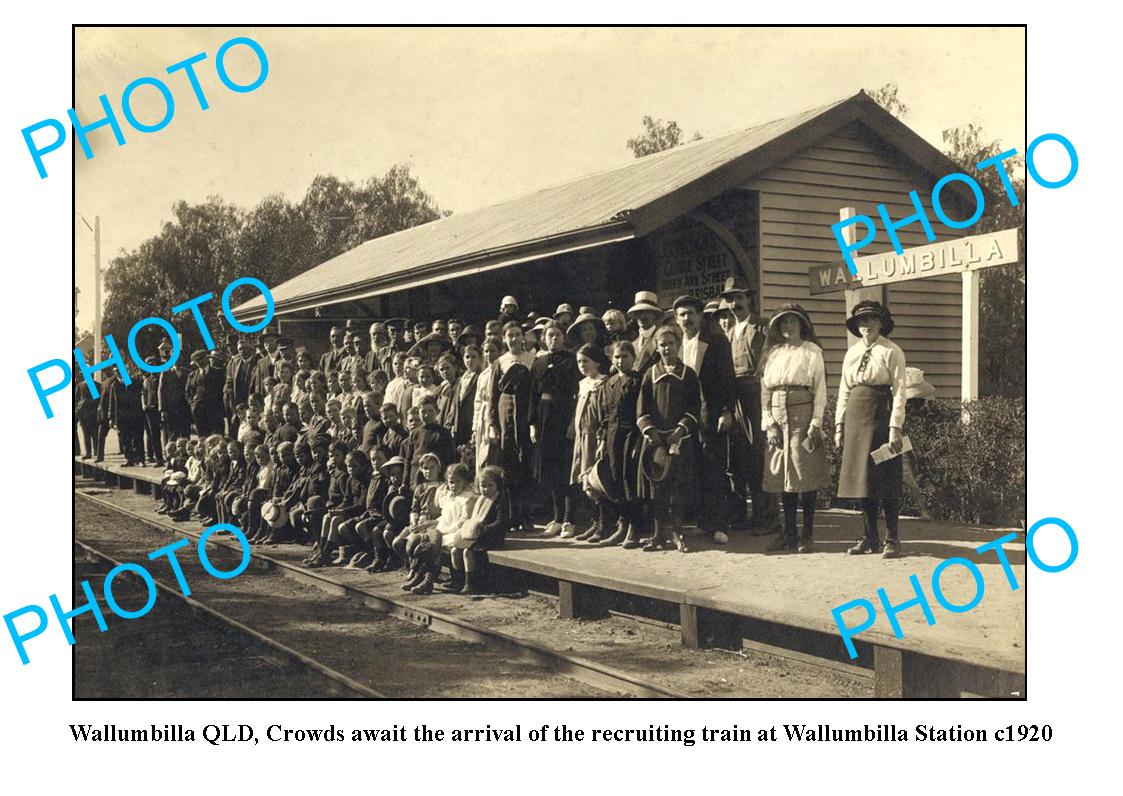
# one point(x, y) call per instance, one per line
point(794, 366)
point(886, 366)
point(692, 353)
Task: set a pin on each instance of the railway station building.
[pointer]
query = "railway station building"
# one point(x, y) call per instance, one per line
point(758, 203)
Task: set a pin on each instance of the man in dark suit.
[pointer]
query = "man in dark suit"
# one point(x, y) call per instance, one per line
point(171, 398)
point(150, 405)
point(747, 443)
point(264, 367)
point(708, 355)
point(647, 315)
point(239, 380)
point(206, 400)
point(329, 361)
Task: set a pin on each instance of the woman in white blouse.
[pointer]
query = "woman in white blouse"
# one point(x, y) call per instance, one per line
point(870, 413)
point(793, 400)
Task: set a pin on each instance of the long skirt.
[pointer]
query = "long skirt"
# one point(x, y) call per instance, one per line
point(622, 448)
point(791, 468)
point(514, 440)
point(866, 428)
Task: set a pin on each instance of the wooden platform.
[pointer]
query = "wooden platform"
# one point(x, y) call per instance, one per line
point(724, 594)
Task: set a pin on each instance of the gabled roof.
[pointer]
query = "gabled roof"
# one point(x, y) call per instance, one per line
point(617, 204)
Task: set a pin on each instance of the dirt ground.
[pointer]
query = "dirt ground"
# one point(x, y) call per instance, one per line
point(394, 657)
point(648, 652)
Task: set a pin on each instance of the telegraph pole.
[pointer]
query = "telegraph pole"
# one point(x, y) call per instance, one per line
point(96, 353)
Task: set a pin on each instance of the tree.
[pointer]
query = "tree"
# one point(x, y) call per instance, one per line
point(207, 246)
point(657, 136)
point(1002, 290)
point(886, 96)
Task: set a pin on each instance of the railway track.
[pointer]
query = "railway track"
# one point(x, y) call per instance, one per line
point(532, 661)
point(335, 683)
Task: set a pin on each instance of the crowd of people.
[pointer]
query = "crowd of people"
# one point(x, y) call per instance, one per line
point(407, 439)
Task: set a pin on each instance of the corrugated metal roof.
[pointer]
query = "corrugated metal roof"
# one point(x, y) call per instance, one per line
point(582, 205)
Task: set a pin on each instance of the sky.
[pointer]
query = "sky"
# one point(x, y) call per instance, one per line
point(482, 114)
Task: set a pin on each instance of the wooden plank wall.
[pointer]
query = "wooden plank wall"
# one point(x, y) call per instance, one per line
point(800, 199)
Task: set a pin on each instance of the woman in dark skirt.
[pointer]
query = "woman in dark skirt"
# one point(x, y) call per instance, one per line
point(510, 421)
point(553, 396)
point(870, 413)
point(621, 441)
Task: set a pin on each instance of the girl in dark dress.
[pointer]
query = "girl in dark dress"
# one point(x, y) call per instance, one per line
point(553, 396)
point(484, 530)
point(510, 421)
point(670, 402)
point(621, 441)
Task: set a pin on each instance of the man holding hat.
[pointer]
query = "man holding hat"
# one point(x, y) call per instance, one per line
point(746, 340)
point(707, 354)
point(646, 313)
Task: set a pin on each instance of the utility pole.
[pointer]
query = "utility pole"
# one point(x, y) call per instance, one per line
point(96, 353)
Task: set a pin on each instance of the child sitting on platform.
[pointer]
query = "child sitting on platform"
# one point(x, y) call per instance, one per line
point(484, 529)
point(455, 499)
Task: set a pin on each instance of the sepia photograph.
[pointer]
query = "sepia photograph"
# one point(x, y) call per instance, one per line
point(549, 362)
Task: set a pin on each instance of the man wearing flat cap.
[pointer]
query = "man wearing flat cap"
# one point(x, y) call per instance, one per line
point(707, 354)
point(746, 340)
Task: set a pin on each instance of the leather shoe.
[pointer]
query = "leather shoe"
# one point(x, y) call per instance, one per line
point(781, 543)
point(862, 547)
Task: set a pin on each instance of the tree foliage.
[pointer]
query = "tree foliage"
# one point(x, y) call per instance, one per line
point(657, 136)
point(1002, 290)
point(886, 96)
point(206, 246)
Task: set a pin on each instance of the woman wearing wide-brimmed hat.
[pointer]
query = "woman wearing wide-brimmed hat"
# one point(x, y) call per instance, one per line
point(793, 391)
point(870, 413)
point(587, 422)
point(586, 328)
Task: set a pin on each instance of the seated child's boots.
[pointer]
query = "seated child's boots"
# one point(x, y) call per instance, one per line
point(471, 583)
point(342, 554)
point(377, 562)
point(456, 581)
point(359, 560)
point(416, 575)
point(314, 555)
point(425, 585)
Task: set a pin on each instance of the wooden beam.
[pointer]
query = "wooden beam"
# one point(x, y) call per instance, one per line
point(969, 383)
point(703, 628)
point(578, 601)
point(899, 674)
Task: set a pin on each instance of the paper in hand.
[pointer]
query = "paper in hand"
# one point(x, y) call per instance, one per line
point(883, 454)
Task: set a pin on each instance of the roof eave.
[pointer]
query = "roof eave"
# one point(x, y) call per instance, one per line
point(600, 234)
